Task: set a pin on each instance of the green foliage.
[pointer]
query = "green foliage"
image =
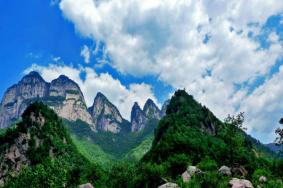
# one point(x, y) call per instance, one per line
point(138, 152)
point(93, 152)
point(117, 145)
point(207, 164)
point(53, 158)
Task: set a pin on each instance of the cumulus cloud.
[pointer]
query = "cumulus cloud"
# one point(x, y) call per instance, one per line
point(208, 47)
point(121, 96)
point(85, 53)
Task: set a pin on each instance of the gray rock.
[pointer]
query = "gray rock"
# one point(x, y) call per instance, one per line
point(151, 111)
point(192, 170)
point(186, 177)
point(262, 179)
point(87, 185)
point(106, 116)
point(169, 185)
point(224, 170)
point(240, 183)
point(138, 119)
point(62, 95)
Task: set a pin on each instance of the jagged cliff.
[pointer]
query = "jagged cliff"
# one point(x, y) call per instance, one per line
point(62, 94)
point(106, 116)
point(138, 118)
point(19, 96)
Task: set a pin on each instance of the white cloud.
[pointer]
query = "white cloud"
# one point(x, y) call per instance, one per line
point(85, 53)
point(117, 93)
point(165, 38)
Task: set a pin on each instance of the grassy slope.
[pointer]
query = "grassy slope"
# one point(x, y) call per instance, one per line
point(93, 152)
point(138, 152)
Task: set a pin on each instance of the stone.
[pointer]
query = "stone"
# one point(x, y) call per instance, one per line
point(186, 177)
point(87, 185)
point(192, 170)
point(169, 185)
point(224, 170)
point(262, 179)
point(240, 183)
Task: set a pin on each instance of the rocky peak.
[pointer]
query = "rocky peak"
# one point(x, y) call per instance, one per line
point(138, 118)
point(105, 115)
point(32, 76)
point(151, 110)
point(63, 85)
point(31, 87)
point(164, 108)
point(63, 95)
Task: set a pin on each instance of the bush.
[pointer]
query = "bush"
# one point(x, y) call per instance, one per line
point(207, 165)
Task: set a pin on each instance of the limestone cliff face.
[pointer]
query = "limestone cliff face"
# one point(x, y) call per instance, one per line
point(138, 118)
point(19, 96)
point(106, 116)
point(62, 94)
point(71, 104)
point(151, 110)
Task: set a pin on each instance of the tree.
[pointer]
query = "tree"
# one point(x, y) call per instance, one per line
point(279, 132)
point(233, 135)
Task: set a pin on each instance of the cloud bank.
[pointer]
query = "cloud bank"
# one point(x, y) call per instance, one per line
point(211, 48)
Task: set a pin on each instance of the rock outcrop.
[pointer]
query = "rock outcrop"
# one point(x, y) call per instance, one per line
point(151, 111)
point(191, 171)
point(169, 185)
point(87, 185)
point(138, 118)
point(240, 183)
point(106, 116)
point(62, 94)
point(19, 96)
point(225, 170)
point(141, 118)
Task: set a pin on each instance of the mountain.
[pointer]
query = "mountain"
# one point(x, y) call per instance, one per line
point(62, 94)
point(274, 147)
point(164, 108)
point(151, 111)
point(69, 101)
point(65, 97)
point(190, 134)
point(138, 118)
point(39, 151)
point(17, 98)
point(106, 116)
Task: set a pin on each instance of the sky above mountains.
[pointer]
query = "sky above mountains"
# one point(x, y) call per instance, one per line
point(227, 54)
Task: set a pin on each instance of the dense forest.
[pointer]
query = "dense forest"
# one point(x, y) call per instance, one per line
point(189, 135)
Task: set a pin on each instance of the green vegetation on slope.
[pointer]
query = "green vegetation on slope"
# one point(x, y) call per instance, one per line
point(191, 135)
point(117, 145)
point(49, 158)
point(138, 152)
point(93, 152)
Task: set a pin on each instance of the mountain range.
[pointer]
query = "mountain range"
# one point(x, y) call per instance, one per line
point(65, 97)
point(49, 138)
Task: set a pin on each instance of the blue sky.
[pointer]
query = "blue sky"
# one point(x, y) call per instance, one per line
point(228, 55)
